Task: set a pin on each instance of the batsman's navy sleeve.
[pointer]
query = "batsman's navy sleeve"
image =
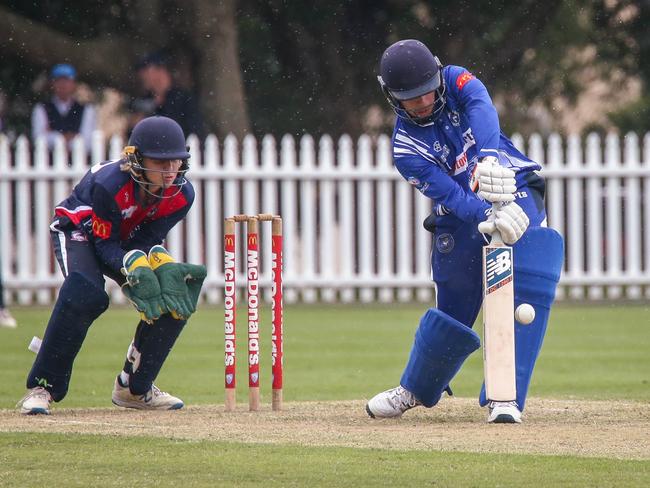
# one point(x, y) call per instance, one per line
point(432, 182)
point(105, 228)
point(477, 105)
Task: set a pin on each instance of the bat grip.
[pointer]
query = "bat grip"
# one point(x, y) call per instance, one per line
point(496, 235)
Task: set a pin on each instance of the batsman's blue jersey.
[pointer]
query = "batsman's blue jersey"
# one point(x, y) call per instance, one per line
point(438, 159)
point(106, 208)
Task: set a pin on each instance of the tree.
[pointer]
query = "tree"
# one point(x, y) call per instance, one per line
point(104, 41)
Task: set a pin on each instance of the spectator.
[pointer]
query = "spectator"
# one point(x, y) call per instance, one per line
point(163, 97)
point(63, 114)
point(6, 320)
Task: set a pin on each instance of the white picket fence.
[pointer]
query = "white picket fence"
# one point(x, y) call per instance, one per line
point(352, 227)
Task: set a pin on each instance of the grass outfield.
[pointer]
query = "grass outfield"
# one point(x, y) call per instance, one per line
point(332, 353)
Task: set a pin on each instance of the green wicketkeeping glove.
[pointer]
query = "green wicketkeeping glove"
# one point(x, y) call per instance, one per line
point(142, 287)
point(180, 283)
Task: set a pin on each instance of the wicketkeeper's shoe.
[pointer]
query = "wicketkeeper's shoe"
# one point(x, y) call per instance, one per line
point(35, 402)
point(503, 413)
point(6, 320)
point(154, 399)
point(391, 403)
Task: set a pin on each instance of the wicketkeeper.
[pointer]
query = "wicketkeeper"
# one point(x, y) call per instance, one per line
point(113, 224)
point(447, 143)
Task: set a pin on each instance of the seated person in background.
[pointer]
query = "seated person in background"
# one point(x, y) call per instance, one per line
point(63, 114)
point(163, 97)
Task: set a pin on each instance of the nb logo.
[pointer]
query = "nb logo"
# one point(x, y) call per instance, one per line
point(498, 269)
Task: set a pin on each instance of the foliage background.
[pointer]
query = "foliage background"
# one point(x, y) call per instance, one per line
point(286, 66)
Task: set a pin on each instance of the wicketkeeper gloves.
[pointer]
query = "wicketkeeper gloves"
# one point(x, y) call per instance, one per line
point(141, 286)
point(180, 283)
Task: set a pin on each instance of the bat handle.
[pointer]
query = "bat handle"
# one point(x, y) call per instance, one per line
point(496, 239)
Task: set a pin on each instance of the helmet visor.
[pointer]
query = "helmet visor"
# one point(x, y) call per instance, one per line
point(431, 85)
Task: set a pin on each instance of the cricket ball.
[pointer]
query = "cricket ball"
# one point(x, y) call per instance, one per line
point(525, 313)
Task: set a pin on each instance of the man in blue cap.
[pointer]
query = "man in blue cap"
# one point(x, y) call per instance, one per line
point(62, 114)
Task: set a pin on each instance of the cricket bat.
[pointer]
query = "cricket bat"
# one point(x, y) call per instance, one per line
point(498, 320)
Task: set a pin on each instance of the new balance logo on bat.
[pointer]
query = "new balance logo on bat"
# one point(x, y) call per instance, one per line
point(498, 268)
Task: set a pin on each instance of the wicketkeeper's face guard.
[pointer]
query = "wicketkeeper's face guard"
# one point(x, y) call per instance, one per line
point(148, 178)
point(409, 71)
point(160, 139)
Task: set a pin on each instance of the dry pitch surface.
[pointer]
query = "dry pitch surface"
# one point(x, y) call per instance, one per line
point(619, 430)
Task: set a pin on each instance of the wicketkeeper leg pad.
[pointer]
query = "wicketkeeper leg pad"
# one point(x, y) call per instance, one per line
point(440, 348)
point(149, 350)
point(79, 303)
point(539, 255)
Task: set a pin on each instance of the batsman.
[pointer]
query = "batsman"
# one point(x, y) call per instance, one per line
point(112, 225)
point(447, 143)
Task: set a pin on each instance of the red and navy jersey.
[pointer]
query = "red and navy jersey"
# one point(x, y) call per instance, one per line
point(106, 205)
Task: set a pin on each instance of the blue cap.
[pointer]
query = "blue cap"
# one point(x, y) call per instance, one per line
point(63, 71)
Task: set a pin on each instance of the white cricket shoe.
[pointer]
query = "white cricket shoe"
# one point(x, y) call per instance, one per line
point(503, 413)
point(6, 320)
point(391, 403)
point(35, 402)
point(154, 399)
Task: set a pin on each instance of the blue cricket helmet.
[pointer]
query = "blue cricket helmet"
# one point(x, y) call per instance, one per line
point(159, 137)
point(409, 70)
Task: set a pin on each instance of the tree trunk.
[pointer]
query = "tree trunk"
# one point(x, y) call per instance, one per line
point(109, 59)
point(219, 78)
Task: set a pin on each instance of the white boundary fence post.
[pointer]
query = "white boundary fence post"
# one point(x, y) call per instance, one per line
point(352, 226)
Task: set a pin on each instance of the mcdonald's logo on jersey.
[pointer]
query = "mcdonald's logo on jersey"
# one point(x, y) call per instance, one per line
point(101, 227)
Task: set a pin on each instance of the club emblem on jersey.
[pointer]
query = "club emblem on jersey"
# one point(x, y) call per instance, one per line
point(498, 268)
point(437, 146)
point(445, 243)
point(413, 181)
point(128, 212)
point(454, 117)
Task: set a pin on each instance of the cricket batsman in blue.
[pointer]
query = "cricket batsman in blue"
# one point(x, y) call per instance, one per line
point(112, 225)
point(447, 143)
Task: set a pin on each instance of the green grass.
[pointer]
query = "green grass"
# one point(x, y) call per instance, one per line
point(343, 353)
point(331, 353)
point(115, 462)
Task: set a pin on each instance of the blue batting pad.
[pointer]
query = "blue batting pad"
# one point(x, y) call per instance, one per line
point(539, 256)
point(440, 348)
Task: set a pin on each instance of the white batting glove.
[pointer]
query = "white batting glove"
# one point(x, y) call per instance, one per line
point(510, 220)
point(493, 182)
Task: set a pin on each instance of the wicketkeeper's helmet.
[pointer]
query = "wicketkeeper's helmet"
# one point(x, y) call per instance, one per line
point(159, 138)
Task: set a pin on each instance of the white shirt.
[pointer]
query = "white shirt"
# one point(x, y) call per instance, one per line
point(41, 126)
